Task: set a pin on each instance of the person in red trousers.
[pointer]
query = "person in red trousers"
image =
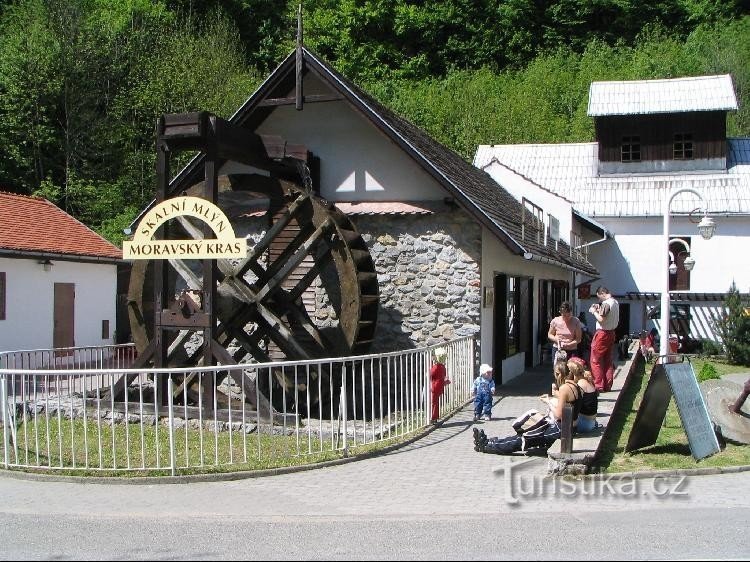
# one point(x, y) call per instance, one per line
point(438, 381)
point(607, 315)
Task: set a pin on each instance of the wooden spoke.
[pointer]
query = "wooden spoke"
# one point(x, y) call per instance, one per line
point(267, 302)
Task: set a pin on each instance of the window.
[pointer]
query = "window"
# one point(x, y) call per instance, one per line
point(631, 149)
point(512, 325)
point(683, 146)
point(2, 295)
point(680, 279)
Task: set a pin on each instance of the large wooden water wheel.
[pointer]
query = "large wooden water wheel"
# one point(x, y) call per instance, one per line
point(307, 289)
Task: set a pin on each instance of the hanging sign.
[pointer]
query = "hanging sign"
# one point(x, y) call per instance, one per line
point(225, 245)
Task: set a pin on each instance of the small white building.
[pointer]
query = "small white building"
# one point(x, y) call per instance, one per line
point(58, 278)
point(653, 137)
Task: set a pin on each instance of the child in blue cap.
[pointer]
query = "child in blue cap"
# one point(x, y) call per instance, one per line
point(484, 388)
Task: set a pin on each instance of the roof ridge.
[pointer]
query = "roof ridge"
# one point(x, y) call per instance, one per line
point(654, 80)
point(21, 195)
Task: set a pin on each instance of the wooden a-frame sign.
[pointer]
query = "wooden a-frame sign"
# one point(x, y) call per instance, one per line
point(678, 380)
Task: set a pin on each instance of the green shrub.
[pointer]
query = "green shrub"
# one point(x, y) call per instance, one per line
point(734, 328)
point(708, 371)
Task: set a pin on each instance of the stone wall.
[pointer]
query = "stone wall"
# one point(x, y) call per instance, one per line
point(429, 277)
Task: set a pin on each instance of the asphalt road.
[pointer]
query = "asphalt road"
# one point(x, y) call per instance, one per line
point(434, 500)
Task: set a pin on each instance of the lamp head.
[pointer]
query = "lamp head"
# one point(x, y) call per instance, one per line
point(689, 263)
point(707, 227)
point(672, 268)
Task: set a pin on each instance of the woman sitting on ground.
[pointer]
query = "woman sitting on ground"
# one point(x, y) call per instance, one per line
point(543, 434)
point(568, 392)
point(589, 398)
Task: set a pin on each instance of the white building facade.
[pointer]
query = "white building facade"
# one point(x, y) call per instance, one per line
point(654, 138)
point(58, 279)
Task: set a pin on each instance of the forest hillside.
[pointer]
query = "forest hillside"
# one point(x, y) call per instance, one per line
point(82, 82)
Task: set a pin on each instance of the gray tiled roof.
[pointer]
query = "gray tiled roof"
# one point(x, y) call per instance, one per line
point(570, 170)
point(482, 197)
point(631, 97)
point(476, 191)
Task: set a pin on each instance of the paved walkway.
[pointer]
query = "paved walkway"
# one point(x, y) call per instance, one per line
point(437, 475)
point(444, 456)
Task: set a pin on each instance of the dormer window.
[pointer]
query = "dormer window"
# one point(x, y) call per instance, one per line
point(683, 146)
point(630, 149)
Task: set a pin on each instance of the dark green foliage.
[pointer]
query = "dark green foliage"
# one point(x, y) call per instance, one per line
point(82, 82)
point(547, 101)
point(372, 39)
point(710, 347)
point(734, 328)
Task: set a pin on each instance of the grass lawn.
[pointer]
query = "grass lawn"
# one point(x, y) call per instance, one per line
point(56, 445)
point(671, 450)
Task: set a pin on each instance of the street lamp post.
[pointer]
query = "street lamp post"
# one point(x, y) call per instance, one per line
point(706, 228)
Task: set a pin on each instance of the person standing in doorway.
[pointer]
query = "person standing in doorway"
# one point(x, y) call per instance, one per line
point(565, 331)
point(607, 315)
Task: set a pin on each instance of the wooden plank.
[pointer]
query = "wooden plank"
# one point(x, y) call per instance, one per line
point(566, 429)
point(315, 98)
point(299, 63)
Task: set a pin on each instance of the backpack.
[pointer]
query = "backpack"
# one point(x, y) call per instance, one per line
point(534, 431)
point(529, 421)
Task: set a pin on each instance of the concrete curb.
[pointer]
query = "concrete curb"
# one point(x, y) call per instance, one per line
point(708, 470)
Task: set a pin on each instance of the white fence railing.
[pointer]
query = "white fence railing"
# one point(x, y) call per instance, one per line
point(106, 417)
point(67, 358)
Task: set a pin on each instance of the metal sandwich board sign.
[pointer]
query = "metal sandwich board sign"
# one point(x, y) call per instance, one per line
point(225, 245)
point(678, 380)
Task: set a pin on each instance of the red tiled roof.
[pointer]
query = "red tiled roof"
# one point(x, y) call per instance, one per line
point(385, 208)
point(31, 224)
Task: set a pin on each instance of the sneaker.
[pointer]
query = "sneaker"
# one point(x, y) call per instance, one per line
point(476, 418)
point(480, 440)
point(475, 431)
point(486, 418)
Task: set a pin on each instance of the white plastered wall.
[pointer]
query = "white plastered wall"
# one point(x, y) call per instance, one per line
point(635, 260)
point(30, 302)
point(358, 162)
point(496, 259)
point(520, 188)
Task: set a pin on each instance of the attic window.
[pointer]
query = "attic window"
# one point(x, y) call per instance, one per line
point(631, 149)
point(683, 146)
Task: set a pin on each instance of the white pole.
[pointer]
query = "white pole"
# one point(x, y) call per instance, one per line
point(665, 308)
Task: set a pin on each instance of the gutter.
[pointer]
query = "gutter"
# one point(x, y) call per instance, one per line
point(542, 259)
point(607, 235)
point(21, 254)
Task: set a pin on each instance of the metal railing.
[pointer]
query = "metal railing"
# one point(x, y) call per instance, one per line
point(101, 357)
point(240, 417)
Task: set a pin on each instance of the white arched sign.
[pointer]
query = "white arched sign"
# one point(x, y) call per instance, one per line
point(225, 245)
